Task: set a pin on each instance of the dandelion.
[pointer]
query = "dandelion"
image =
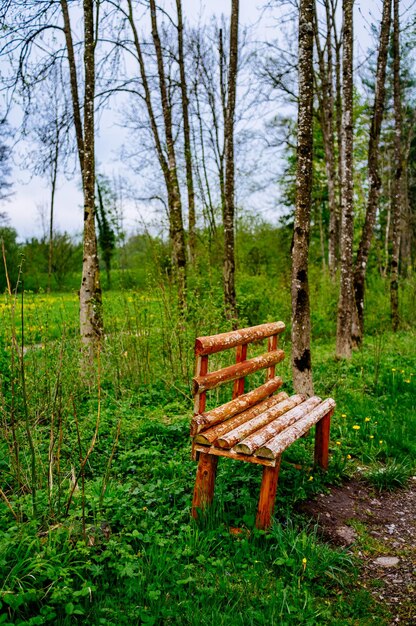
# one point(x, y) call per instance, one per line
point(343, 415)
point(304, 561)
point(371, 436)
point(407, 381)
point(393, 369)
point(367, 419)
point(381, 441)
point(145, 508)
point(401, 371)
point(356, 427)
point(348, 456)
point(310, 478)
point(338, 443)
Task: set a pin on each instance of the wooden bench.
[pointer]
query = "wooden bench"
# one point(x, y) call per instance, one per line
point(255, 427)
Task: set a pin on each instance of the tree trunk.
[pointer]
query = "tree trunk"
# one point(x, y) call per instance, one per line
point(54, 175)
point(301, 323)
point(186, 137)
point(396, 205)
point(90, 291)
point(345, 302)
point(326, 116)
point(338, 120)
point(174, 195)
point(373, 176)
point(73, 83)
point(229, 207)
point(406, 221)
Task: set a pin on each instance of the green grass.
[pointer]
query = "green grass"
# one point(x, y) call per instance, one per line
point(126, 551)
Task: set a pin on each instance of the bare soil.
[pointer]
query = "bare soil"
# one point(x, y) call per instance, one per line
point(380, 529)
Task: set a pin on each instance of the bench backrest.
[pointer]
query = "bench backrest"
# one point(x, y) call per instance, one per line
point(205, 380)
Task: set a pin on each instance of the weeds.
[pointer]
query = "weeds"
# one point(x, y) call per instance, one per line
point(390, 476)
point(113, 542)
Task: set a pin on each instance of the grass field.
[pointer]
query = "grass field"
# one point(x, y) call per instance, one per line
point(120, 548)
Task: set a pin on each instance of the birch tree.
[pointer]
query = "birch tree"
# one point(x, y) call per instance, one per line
point(36, 40)
point(326, 101)
point(186, 135)
point(163, 139)
point(301, 325)
point(345, 302)
point(90, 302)
point(396, 200)
point(374, 177)
point(229, 205)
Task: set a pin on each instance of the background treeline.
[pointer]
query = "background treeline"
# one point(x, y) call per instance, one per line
point(211, 131)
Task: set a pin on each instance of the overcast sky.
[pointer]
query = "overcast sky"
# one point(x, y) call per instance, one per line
point(31, 194)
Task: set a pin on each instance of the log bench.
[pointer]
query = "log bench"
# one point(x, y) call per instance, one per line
point(255, 427)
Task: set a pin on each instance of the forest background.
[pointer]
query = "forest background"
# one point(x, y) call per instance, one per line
point(98, 331)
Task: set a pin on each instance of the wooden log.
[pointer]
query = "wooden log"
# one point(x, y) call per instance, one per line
point(229, 454)
point(241, 356)
point(322, 440)
point(232, 372)
point(200, 398)
point(204, 483)
point(240, 404)
point(278, 444)
point(207, 437)
point(267, 496)
point(259, 438)
point(224, 341)
point(228, 440)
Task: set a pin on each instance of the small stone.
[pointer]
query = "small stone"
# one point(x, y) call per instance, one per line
point(387, 561)
point(328, 514)
point(347, 534)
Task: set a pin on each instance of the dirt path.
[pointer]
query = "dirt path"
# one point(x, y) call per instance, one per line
point(381, 530)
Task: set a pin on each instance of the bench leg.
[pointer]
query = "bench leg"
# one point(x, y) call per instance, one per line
point(322, 440)
point(267, 495)
point(204, 483)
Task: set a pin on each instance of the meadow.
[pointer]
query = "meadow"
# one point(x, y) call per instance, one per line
point(96, 475)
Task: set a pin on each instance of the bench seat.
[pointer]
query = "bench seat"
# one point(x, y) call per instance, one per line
point(260, 438)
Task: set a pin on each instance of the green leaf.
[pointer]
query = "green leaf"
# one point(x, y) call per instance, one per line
point(185, 581)
point(69, 608)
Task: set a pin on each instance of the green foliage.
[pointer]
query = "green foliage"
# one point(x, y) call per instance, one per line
point(106, 232)
point(122, 549)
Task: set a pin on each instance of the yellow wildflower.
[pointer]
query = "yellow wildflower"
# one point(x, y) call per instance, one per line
point(145, 508)
point(371, 436)
point(381, 441)
point(407, 381)
point(343, 415)
point(393, 369)
point(348, 456)
point(304, 561)
point(367, 419)
point(310, 477)
point(338, 443)
point(356, 427)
